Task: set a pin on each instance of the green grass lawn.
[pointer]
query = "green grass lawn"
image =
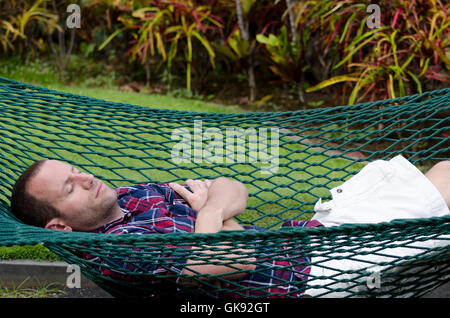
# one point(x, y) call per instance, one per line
point(44, 74)
point(290, 193)
point(148, 100)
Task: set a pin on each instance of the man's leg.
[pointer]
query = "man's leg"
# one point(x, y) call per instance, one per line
point(338, 279)
point(439, 175)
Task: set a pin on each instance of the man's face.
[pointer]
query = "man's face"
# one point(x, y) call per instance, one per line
point(83, 201)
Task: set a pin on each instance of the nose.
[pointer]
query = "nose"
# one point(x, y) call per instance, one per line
point(84, 179)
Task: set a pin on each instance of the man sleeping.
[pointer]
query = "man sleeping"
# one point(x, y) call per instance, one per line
point(58, 196)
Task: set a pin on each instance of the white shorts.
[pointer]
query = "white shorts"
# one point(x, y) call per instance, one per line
point(382, 191)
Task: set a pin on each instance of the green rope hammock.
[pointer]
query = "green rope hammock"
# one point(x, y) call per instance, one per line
point(314, 150)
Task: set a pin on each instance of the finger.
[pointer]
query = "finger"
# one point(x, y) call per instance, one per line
point(208, 183)
point(200, 184)
point(185, 193)
point(190, 183)
point(195, 185)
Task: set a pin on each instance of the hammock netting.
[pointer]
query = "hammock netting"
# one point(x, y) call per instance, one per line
point(306, 153)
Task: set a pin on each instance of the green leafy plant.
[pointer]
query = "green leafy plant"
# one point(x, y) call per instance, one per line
point(286, 57)
point(193, 23)
point(162, 27)
point(395, 59)
point(317, 45)
point(15, 27)
point(239, 52)
point(146, 26)
point(247, 19)
point(294, 41)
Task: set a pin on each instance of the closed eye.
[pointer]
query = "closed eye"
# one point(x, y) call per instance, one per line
point(71, 185)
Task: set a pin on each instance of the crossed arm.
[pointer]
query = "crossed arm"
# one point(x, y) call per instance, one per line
point(217, 202)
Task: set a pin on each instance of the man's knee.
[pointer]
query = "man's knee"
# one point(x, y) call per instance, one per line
point(439, 175)
point(442, 167)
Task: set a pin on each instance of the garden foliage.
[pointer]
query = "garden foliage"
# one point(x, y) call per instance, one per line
point(308, 46)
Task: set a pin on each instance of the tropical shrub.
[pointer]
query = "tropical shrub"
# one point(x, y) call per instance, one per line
point(23, 24)
point(323, 46)
point(163, 27)
point(409, 49)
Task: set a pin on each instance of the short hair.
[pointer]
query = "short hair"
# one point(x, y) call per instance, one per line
point(27, 208)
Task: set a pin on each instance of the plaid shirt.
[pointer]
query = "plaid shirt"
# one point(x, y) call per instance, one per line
point(150, 208)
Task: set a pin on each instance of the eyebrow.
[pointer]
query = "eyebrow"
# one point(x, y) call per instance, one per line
point(67, 179)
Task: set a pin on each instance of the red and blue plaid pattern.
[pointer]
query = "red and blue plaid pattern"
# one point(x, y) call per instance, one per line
point(150, 208)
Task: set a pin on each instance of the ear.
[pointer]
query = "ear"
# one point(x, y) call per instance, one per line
point(58, 224)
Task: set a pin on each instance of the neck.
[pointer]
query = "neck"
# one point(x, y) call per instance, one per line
point(116, 212)
point(113, 214)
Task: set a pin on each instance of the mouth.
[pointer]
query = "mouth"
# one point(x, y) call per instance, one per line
point(99, 188)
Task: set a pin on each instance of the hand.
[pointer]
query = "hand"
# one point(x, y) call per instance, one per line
point(197, 198)
point(226, 198)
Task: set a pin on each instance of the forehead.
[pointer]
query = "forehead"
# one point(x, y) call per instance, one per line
point(49, 179)
point(54, 168)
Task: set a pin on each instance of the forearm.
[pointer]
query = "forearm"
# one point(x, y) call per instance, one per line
point(226, 200)
point(208, 221)
point(212, 224)
point(235, 264)
point(220, 263)
point(226, 261)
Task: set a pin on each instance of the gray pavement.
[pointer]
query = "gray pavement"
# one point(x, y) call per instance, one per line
point(440, 292)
